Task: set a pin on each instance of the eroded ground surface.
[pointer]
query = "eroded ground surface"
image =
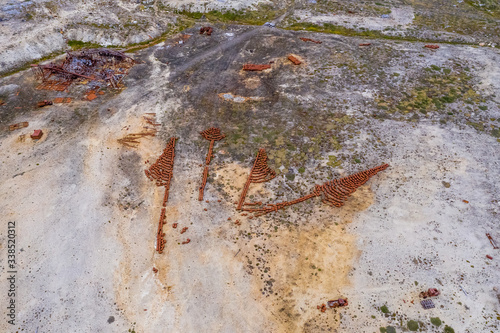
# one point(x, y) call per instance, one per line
point(87, 216)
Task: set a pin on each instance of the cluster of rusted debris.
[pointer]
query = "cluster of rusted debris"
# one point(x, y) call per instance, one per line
point(341, 302)
point(97, 65)
point(212, 134)
point(427, 303)
point(334, 193)
point(132, 140)
point(432, 47)
point(431, 292)
point(207, 30)
point(161, 172)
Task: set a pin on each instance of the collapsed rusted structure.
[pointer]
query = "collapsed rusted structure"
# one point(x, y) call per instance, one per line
point(333, 193)
point(161, 172)
point(104, 65)
point(212, 134)
point(207, 30)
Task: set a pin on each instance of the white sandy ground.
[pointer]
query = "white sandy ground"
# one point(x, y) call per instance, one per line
point(86, 217)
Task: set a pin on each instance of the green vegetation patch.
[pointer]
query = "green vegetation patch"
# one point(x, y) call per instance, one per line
point(448, 329)
point(78, 44)
point(436, 321)
point(412, 325)
point(433, 91)
point(384, 309)
point(261, 15)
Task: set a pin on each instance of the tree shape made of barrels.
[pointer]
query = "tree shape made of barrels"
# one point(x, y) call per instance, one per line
point(212, 134)
point(333, 193)
point(161, 172)
point(260, 173)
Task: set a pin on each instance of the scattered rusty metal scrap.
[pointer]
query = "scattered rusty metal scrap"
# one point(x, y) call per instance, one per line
point(341, 302)
point(431, 292)
point(260, 173)
point(62, 100)
point(322, 307)
point(105, 65)
point(333, 193)
point(2, 102)
point(18, 126)
point(150, 119)
point(212, 134)
point(132, 140)
point(186, 241)
point(310, 40)
point(161, 172)
point(207, 30)
point(433, 47)
point(365, 44)
point(492, 241)
point(255, 68)
point(43, 103)
point(294, 60)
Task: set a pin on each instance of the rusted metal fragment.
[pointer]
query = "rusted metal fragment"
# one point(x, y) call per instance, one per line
point(43, 103)
point(365, 44)
point(58, 100)
point(91, 96)
point(430, 46)
point(255, 68)
point(492, 241)
point(310, 40)
point(18, 126)
point(37, 134)
point(294, 60)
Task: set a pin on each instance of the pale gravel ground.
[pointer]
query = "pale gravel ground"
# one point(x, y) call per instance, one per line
point(400, 18)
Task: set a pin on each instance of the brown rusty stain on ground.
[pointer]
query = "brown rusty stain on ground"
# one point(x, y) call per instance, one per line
point(308, 264)
point(252, 82)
